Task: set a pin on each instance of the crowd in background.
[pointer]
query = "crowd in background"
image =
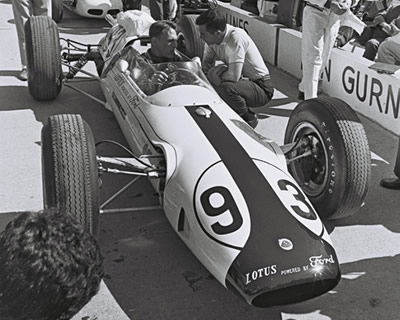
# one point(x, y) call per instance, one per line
point(381, 35)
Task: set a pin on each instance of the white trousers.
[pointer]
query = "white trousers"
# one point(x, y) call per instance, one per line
point(320, 29)
point(389, 52)
point(23, 9)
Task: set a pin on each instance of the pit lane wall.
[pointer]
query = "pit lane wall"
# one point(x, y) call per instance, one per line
point(347, 76)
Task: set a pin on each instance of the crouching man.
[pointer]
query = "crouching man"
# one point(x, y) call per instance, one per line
point(243, 80)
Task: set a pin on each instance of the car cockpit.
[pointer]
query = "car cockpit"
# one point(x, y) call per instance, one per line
point(179, 73)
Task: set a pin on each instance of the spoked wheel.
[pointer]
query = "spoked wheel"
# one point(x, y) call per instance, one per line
point(189, 42)
point(57, 10)
point(43, 57)
point(313, 168)
point(331, 161)
point(70, 171)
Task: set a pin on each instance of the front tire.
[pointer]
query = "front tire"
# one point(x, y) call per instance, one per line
point(336, 173)
point(70, 171)
point(44, 58)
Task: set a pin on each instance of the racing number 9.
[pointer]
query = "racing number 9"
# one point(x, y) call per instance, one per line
point(228, 205)
point(299, 196)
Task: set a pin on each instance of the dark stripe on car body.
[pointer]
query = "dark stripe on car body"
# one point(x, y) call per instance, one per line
point(270, 220)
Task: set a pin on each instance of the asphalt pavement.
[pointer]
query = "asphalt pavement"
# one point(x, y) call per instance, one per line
point(150, 274)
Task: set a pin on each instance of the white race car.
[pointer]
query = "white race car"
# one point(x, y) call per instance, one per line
point(248, 209)
point(92, 8)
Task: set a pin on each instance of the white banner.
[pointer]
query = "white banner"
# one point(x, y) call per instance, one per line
point(373, 94)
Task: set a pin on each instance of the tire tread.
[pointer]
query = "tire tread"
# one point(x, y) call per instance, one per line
point(74, 184)
point(194, 45)
point(358, 157)
point(43, 57)
point(354, 157)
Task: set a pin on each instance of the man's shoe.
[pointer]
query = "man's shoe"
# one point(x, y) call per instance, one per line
point(251, 118)
point(301, 95)
point(23, 75)
point(391, 183)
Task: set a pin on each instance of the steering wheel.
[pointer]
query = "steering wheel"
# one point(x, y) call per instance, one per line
point(172, 74)
point(169, 84)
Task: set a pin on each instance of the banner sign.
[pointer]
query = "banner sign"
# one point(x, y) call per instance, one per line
point(347, 76)
point(263, 34)
point(373, 94)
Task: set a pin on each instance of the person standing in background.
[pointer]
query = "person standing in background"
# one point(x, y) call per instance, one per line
point(389, 50)
point(131, 5)
point(385, 24)
point(321, 22)
point(164, 9)
point(393, 183)
point(22, 10)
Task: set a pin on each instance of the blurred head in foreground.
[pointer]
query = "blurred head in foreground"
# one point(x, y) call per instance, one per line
point(49, 267)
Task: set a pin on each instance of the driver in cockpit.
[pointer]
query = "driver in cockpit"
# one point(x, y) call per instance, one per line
point(163, 40)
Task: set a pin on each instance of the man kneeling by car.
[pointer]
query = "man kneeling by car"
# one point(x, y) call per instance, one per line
point(243, 79)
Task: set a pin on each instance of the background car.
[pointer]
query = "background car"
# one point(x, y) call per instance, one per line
point(92, 8)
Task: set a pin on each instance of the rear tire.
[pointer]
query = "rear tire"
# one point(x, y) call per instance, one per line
point(44, 58)
point(70, 171)
point(57, 10)
point(336, 176)
point(189, 42)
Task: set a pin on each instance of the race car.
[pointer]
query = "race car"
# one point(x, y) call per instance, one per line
point(250, 210)
point(92, 8)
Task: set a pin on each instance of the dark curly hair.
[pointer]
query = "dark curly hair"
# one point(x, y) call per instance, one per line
point(50, 267)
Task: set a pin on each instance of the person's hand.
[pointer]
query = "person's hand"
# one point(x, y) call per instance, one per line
point(159, 78)
point(339, 7)
point(377, 21)
point(197, 60)
point(214, 74)
point(386, 27)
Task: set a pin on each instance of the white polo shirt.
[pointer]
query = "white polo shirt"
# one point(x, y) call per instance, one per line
point(237, 46)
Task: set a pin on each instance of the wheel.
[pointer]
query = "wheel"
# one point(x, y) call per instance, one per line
point(189, 42)
point(70, 171)
point(334, 165)
point(43, 57)
point(57, 10)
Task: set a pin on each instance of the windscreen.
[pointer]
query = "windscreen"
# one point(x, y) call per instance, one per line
point(179, 73)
